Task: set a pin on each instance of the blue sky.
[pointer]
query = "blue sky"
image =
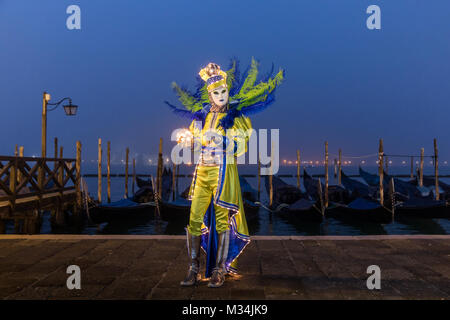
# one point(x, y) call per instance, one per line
point(344, 83)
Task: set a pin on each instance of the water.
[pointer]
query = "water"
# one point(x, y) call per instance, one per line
point(268, 223)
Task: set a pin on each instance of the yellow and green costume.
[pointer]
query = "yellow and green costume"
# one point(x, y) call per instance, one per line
point(217, 204)
point(215, 191)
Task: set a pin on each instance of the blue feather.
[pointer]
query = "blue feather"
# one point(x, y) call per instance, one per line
point(180, 112)
point(228, 121)
point(259, 106)
point(198, 115)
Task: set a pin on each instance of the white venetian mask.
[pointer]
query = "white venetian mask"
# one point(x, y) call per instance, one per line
point(220, 96)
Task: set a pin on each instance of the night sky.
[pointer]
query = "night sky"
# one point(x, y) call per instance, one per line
point(344, 83)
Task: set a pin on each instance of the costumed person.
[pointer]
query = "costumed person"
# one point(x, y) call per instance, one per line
point(219, 133)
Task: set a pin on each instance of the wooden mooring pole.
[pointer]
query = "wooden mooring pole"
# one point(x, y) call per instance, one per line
point(174, 178)
point(298, 169)
point(412, 168)
point(18, 223)
point(56, 149)
point(259, 179)
point(271, 178)
point(19, 174)
point(380, 170)
point(126, 172)
point(13, 179)
point(59, 217)
point(99, 182)
point(326, 174)
point(340, 167)
point(159, 169)
point(78, 176)
point(422, 151)
point(436, 174)
point(134, 176)
point(108, 171)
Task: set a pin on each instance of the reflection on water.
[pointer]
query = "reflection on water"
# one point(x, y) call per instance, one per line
point(267, 224)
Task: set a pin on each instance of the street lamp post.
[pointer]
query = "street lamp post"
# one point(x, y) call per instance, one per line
point(70, 110)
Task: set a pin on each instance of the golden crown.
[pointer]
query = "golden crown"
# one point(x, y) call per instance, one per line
point(214, 76)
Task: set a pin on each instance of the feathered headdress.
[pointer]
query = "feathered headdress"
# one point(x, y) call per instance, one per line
point(248, 94)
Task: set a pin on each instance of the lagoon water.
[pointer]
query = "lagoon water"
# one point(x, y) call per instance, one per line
point(268, 223)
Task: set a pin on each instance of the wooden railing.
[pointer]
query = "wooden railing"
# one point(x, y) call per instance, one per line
point(28, 177)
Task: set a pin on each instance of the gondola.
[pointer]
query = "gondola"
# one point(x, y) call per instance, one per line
point(409, 200)
point(247, 190)
point(363, 205)
point(141, 183)
point(423, 208)
point(251, 210)
point(360, 209)
point(336, 193)
point(356, 188)
point(403, 189)
point(290, 203)
point(140, 204)
point(371, 179)
point(120, 210)
point(429, 183)
point(249, 196)
point(303, 210)
point(283, 192)
point(179, 209)
point(166, 182)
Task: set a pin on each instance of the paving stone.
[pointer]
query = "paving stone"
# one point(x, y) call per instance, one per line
point(247, 294)
point(31, 293)
point(128, 287)
point(171, 293)
point(203, 292)
point(86, 292)
point(268, 269)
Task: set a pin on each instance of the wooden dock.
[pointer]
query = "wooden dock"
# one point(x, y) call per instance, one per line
point(151, 267)
point(29, 185)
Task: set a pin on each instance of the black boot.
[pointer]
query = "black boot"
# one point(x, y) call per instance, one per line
point(219, 272)
point(194, 254)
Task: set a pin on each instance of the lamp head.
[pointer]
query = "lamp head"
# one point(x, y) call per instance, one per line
point(70, 109)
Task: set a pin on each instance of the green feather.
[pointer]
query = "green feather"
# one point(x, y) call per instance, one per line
point(259, 92)
point(187, 99)
point(251, 78)
point(231, 76)
point(204, 94)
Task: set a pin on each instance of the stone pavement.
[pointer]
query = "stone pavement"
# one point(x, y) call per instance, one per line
point(151, 267)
